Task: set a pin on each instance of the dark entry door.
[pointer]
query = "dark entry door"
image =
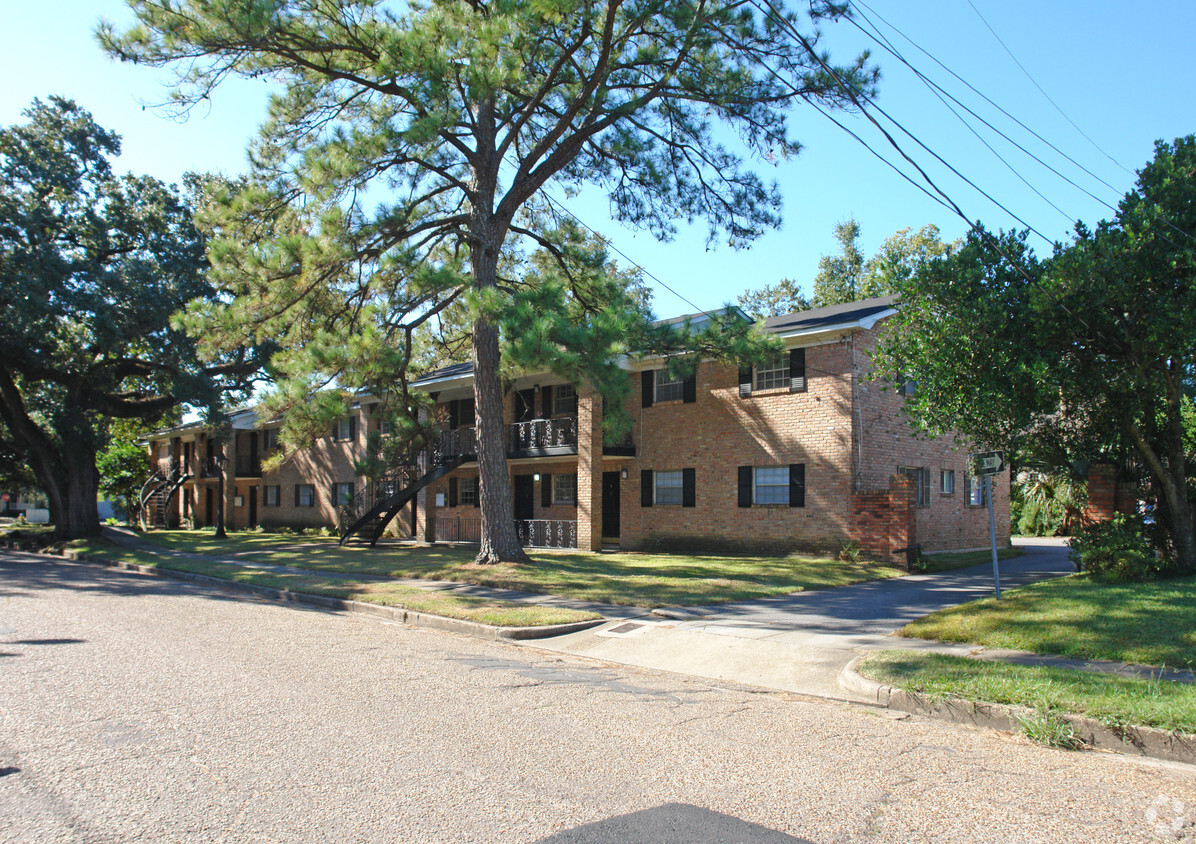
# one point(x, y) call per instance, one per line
point(525, 405)
point(253, 506)
point(525, 497)
point(610, 504)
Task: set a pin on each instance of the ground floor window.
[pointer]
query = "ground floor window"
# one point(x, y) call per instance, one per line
point(770, 485)
point(564, 489)
point(271, 496)
point(305, 495)
point(467, 492)
point(668, 488)
point(921, 479)
point(976, 491)
point(342, 495)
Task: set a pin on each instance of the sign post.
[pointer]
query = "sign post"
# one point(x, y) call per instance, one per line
point(987, 464)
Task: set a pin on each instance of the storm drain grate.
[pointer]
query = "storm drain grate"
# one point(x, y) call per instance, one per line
point(626, 628)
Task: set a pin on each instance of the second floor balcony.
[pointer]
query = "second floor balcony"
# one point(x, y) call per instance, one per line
point(535, 438)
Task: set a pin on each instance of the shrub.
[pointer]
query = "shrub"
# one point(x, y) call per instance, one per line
point(849, 551)
point(1117, 550)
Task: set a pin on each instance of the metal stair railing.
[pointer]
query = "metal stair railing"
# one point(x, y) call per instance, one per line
point(380, 515)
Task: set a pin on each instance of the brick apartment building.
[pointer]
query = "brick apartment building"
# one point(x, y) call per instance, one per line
point(804, 454)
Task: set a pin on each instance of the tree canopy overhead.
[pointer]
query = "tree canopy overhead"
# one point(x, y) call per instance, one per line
point(1093, 350)
point(92, 266)
point(461, 114)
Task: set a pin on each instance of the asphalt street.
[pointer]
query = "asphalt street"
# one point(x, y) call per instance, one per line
point(142, 709)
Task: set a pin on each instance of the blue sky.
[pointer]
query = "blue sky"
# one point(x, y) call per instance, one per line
point(1120, 72)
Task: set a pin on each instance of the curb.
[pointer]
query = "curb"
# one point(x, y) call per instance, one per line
point(399, 615)
point(1139, 741)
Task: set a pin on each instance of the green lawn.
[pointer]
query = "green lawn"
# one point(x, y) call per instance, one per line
point(648, 580)
point(1147, 623)
point(1108, 698)
point(486, 611)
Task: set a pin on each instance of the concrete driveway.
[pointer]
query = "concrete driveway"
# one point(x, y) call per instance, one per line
point(801, 642)
point(881, 606)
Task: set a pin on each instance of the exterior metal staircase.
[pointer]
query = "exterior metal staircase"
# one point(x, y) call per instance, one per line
point(370, 526)
point(156, 493)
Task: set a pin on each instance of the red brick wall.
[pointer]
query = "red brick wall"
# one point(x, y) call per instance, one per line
point(883, 520)
point(1106, 496)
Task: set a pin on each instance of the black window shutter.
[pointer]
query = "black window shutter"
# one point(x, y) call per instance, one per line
point(547, 402)
point(797, 484)
point(745, 381)
point(797, 370)
point(452, 406)
point(646, 488)
point(689, 389)
point(335, 502)
point(353, 428)
point(452, 500)
point(545, 490)
point(689, 486)
point(573, 402)
point(296, 495)
point(745, 486)
point(477, 491)
point(576, 490)
point(335, 430)
point(648, 384)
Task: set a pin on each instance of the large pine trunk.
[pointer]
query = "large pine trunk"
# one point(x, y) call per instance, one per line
point(500, 542)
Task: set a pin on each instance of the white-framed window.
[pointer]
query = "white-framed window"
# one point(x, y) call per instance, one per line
point(921, 479)
point(269, 439)
point(667, 388)
point(668, 487)
point(947, 482)
point(908, 387)
point(384, 427)
point(305, 495)
point(467, 492)
point(465, 413)
point(564, 489)
point(770, 485)
point(976, 491)
point(342, 431)
point(773, 376)
point(564, 400)
point(342, 494)
point(271, 495)
point(163, 451)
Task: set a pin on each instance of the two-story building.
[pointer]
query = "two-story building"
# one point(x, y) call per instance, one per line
point(806, 453)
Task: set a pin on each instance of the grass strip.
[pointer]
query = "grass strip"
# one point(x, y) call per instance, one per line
point(636, 579)
point(1113, 700)
point(1145, 623)
point(483, 610)
point(949, 560)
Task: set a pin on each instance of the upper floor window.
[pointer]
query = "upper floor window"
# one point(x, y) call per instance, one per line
point(345, 429)
point(668, 388)
point(461, 413)
point(947, 481)
point(773, 376)
point(786, 372)
point(564, 400)
point(269, 439)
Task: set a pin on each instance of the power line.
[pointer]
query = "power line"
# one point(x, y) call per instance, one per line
point(1044, 93)
point(940, 92)
point(985, 97)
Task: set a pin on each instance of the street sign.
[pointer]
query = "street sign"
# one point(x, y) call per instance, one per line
point(989, 462)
